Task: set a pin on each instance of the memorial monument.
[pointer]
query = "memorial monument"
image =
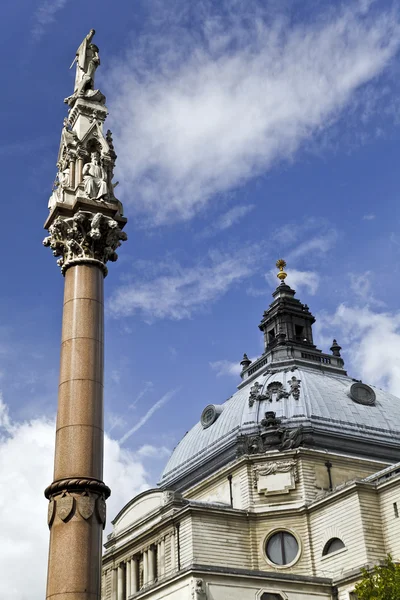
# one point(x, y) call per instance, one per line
point(85, 230)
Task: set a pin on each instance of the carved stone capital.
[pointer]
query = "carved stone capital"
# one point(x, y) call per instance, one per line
point(85, 238)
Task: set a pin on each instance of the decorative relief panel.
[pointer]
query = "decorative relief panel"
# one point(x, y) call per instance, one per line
point(275, 478)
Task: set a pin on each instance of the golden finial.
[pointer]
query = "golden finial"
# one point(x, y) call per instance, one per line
point(281, 264)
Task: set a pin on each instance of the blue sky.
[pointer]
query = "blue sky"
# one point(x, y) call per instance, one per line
point(245, 132)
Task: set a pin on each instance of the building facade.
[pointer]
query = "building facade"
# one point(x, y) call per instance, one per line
point(285, 491)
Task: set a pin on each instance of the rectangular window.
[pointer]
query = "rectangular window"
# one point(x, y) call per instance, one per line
point(299, 332)
point(395, 510)
point(271, 335)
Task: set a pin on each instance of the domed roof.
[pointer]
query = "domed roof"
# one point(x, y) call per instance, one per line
point(293, 395)
point(334, 409)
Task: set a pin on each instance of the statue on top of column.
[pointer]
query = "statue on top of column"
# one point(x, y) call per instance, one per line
point(87, 60)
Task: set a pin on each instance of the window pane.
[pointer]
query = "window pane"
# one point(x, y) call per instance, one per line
point(274, 549)
point(291, 547)
point(269, 596)
point(332, 546)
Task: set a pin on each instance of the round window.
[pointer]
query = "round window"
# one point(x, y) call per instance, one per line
point(362, 394)
point(282, 548)
point(210, 414)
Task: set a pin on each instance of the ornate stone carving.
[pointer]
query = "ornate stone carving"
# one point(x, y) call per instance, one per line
point(199, 590)
point(273, 436)
point(65, 507)
point(255, 393)
point(282, 466)
point(84, 238)
point(295, 387)
point(87, 60)
point(275, 389)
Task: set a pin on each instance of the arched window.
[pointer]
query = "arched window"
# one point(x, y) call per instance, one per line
point(333, 545)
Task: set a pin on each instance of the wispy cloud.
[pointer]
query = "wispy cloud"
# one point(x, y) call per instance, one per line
point(177, 295)
point(195, 116)
point(319, 244)
point(361, 287)
point(148, 386)
point(369, 217)
point(228, 219)
point(45, 15)
point(156, 406)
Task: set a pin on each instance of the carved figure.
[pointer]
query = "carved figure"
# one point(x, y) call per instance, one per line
point(292, 438)
point(295, 387)
point(255, 393)
point(95, 178)
point(199, 591)
point(61, 182)
point(87, 60)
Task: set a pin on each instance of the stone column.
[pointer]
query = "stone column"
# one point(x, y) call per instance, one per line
point(145, 568)
point(77, 511)
point(128, 578)
point(114, 585)
point(151, 569)
point(72, 173)
point(173, 557)
point(121, 582)
point(135, 575)
point(162, 557)
point(79, 169)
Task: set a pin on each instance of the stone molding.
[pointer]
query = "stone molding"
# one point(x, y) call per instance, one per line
point(86, 484)
point(85, 237)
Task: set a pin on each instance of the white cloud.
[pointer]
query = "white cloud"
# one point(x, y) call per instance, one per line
point(149, 451)
point(317, 244)
point(45, 16)
point(297, 280)
point(195, 116)
point(369, 217)
point(26, 465)
point(370, 342)
point(186, 290)
point(227, 367)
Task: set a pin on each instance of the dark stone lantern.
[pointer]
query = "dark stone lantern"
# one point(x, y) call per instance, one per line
point(287, 321)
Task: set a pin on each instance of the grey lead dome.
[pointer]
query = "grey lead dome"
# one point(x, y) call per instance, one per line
point(307, 395)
